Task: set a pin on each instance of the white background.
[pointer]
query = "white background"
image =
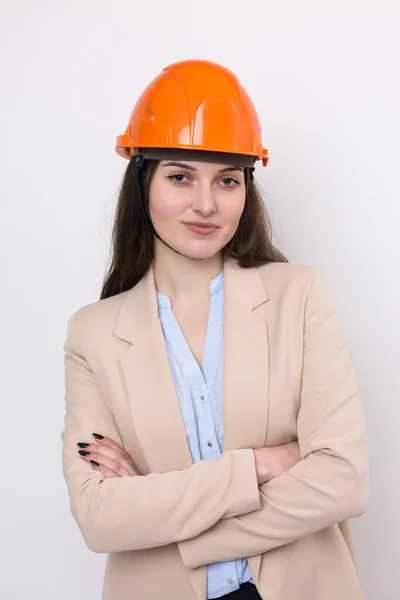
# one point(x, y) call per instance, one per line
point(325, 79)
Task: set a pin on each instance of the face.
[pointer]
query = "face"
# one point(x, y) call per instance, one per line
point(196, 206)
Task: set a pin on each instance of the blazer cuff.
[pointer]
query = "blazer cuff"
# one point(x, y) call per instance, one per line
point(245, 492)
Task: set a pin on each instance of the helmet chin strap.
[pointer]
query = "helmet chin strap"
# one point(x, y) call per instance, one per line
point(141, 190)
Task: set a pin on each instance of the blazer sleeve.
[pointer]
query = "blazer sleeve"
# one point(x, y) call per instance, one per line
point(131, 513)
point(329, 484)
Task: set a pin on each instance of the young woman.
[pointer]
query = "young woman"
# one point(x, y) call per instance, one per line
point(214, 440)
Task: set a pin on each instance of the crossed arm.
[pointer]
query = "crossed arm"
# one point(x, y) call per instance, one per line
point(215, 509)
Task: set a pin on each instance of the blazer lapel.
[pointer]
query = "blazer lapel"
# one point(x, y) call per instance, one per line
point(246, 359)
point(150, 387)
point(246, 376)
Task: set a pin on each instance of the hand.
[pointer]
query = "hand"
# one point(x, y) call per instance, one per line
point(107, 457)
point(272, 462)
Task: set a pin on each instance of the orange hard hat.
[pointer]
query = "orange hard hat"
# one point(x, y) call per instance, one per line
point(194, 105)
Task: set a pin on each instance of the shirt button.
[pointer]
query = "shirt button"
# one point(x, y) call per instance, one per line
point(230, 581)
point(202, 398)
point(209, 444)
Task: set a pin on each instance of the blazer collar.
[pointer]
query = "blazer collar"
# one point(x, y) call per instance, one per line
point(245, 285)
point(139, 310)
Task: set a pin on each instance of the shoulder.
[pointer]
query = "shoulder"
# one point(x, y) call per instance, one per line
point(287, 275)
point(286, 270)
point(100, 311)
point(300, 282)
point(94, 320)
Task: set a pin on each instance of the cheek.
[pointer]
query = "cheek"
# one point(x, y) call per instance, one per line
point(232, 210)
point(164, 204)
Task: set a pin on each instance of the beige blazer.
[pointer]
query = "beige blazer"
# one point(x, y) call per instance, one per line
point(288, 376)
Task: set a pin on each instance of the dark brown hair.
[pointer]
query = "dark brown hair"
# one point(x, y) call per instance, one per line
point(133, 242)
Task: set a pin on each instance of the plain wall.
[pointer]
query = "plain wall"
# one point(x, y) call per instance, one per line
point(325, 79)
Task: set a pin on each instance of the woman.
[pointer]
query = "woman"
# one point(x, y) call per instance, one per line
point(214, 441)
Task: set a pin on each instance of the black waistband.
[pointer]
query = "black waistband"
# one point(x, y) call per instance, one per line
point(247, 591)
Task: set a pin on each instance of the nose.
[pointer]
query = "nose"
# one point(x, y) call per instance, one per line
point(204, 201)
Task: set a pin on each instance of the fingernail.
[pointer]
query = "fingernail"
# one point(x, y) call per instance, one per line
point(83, 453)
point(94, 463)
point(98, 436)
point(82, 445)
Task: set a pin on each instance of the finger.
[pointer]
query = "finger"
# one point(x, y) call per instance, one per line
point(105, 472)
point(113, 465)
point(108, 442)
point(98, 467)
point(107, 452)
point(95, 463)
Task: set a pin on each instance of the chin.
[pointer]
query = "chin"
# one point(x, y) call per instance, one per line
point(196, 253)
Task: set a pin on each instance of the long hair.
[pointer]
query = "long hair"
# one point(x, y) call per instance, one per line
point(133, 242)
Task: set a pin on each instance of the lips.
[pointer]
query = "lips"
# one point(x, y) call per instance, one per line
point(202, 228)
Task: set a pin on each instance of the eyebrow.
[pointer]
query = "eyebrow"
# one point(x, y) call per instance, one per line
point(190, 168)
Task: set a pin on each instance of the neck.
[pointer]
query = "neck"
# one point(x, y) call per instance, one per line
point(179, 276)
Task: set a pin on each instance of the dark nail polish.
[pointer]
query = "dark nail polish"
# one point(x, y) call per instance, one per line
point(83, 453)
point(82, 445)
point(98, 436)
point(94, 463)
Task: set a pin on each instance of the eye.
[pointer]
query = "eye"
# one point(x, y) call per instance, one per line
point(230, 182)
point(178, 178)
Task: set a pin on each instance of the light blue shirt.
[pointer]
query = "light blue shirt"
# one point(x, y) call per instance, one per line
point(200, 395)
